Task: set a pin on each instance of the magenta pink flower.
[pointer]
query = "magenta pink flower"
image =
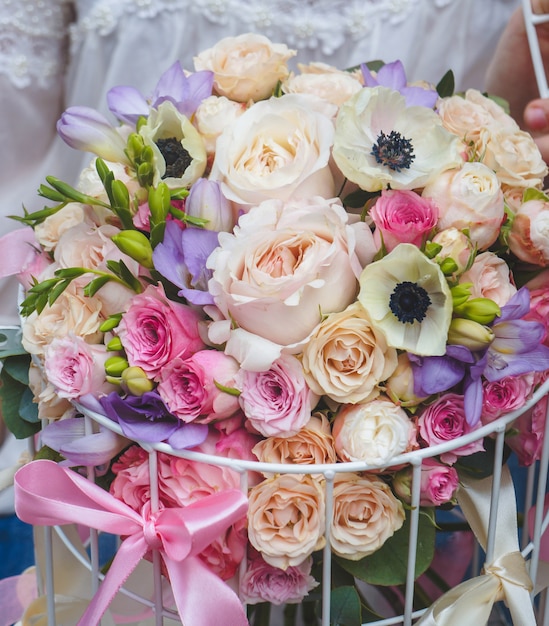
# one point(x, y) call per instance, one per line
point(505, 395)
point(526, 439)
point(154, 331)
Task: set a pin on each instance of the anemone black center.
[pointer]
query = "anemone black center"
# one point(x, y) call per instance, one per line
point(393, 150)
point(409, 302)
point(176, 157)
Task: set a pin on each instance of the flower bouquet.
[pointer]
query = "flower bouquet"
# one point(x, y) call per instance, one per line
point(278, 319)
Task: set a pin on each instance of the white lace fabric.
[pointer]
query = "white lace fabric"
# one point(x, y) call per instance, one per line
point(32, 40)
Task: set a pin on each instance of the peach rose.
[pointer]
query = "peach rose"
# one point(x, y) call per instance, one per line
point(374, 432)
point(278, 148)
point(50, 230)
point(313, 444)
point(529, 236)
point(469, 198)
point(365, 515)
point(334, 87)
point(346, 358)
point(491, 278)
point(286, 518)
point(247, 67)
point(400, 384)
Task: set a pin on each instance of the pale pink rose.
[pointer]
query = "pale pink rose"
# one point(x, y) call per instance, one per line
point(347, 358)
point(469, 198)
point(467, 115)
point(277, 149)
point(539, 309)
point(235, 440)
point(332, 86)
point(262, 582)
point(402, 216)
point(50, 230)
point(154, 331)
point(246, 67)
point(277, 401)
point(90, 184)
point(513, 197)
point(75, 367)
point(313, 444)
point(438, 483)
point(455, 245)
point(529, 236)
point(528, 430)
point(72, 313)
point(284, 267)
point(212, 117)
point(445, 421)
point(505, 395)
point(374, 432)
point(189, 387)
point(490, 277)
point(399, 387)
point(365, 515)
point(286, 518)
point(50, 405)
point(514, 157)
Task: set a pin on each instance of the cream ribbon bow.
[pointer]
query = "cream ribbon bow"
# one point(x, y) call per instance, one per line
point(504, 578)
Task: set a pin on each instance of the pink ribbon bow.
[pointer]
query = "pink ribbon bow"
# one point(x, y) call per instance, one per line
point(47, 494)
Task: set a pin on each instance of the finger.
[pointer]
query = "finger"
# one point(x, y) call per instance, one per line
point(536, 115)
point(543, 145)
point(540, 6)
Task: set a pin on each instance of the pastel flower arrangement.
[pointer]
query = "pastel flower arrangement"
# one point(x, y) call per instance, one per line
point(295, 268)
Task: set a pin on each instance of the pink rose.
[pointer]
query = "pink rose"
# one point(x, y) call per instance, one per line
point(265, 583)
point(444, 421)
point(528, 431)
point(438, 483)
point(278, 401)
point(491, 278)
point(131, 482)
point(75, 367)
point(402, 216)
point(505, 395)
point(189, 387)
point(528, 239)
point(154, 331)
point(539, 309)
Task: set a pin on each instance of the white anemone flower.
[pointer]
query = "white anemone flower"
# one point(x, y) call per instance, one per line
point(408, 298)
point(380, 142)
point(179, 152)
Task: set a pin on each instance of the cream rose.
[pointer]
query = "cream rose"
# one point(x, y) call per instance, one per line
point(213, 115)
point(529, 236)
point(286, 518)
point(278, 148)
point(374, 432)
point(284, 266)
point(313, 444)
point(365, 515)
point(334, 87)
point(71, 314)
point(50, 230)
point(469, 198)
point(346, 358)
point(247, 67)
point(490, 277)
point(514, 157)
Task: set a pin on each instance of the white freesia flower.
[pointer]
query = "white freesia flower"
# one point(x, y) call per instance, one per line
point(407, 296)
point(179, 152)
point(380, 142)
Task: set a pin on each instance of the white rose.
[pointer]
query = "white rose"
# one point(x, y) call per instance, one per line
point(471, 198)
point(279, 148)
point(213, 115)
point(333, 87)
point(284, 267)
point(247, 67)
point(374, 432)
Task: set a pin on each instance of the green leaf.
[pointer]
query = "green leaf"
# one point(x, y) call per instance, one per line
point(17, 367)
point(71, 272)
point(357, 199)
point(534, 194)
point(388, 565)
point(480, 464)
point(47, 453)
point(95, 285)
point(345, 607)
point(446, 85)
point(58, 290)
point(28, 409)
point(11, 394)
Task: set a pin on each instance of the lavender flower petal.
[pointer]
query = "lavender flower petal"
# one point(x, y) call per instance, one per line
point(127, 104)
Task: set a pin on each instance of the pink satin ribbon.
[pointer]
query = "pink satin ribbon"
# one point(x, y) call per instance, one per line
point(47, 494)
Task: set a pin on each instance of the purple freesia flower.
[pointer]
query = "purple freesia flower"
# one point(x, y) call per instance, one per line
point(185, 92)
point(435, 374)
point(146, 418)
point(181, 259)
point(392, 75)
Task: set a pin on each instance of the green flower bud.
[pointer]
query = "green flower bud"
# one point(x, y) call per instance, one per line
point(432, 249)
point(159, 202)
point(448, 266)
point(115, 365)
point(481, 310)
point(135, 381)
point(114, 345)
point(136, 245)
point(461, 293)
point(468, 333)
